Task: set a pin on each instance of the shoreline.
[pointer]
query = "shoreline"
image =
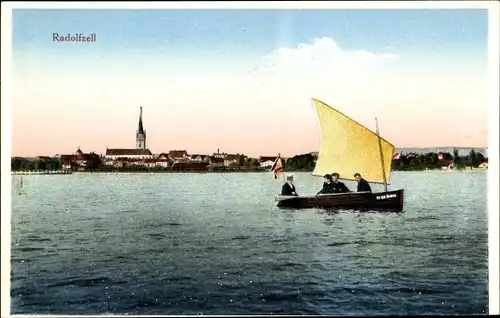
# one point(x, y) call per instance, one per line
point(40, 172)
point(60, 172)
point(133, 171)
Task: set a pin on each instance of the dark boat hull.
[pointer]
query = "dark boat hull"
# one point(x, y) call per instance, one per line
point(391, 201)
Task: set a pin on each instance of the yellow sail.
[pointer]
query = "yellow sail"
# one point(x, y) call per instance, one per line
point(348, 147)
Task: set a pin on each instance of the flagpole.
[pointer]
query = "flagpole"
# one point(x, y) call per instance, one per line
point(381, 156)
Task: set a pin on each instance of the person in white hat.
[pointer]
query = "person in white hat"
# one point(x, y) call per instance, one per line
point(288, 188)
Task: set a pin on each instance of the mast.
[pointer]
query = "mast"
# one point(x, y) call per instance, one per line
point(381, 156)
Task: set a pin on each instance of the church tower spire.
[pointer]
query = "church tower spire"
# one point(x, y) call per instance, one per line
point(140, 138)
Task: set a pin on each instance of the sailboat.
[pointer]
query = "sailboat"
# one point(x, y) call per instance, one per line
point(347, 147)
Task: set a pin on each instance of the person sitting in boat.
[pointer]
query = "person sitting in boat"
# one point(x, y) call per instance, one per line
point(337, 186)
point(363, 185)
point(289, 188)
point(327, 185)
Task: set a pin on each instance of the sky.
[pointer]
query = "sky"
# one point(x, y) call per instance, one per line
point(242, 80)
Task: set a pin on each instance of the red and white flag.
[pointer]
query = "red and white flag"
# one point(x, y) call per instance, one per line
point(396, 156)
point(277, 167)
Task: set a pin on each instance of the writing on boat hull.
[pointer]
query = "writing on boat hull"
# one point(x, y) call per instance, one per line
point(386, 196)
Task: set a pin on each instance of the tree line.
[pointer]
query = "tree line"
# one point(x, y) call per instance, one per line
point(304, 162)
point(24, 164)
point(411, 161)
point(431, 160)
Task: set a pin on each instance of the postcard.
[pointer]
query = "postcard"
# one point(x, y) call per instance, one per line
point(256, 158)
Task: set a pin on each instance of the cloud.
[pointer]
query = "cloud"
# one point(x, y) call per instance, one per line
point(321, 68)
point(325, 56)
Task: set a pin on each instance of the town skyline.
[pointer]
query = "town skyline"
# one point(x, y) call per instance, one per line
point(219, 79)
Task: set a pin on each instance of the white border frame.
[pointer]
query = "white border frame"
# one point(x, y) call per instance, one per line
point(493, 147)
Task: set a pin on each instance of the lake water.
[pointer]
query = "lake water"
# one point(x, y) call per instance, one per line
point(217, 244)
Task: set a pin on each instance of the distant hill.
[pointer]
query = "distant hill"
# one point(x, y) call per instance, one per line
point(462, 151)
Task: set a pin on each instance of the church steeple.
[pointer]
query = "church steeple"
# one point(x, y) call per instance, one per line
point(141, 129)
point(140, 138)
